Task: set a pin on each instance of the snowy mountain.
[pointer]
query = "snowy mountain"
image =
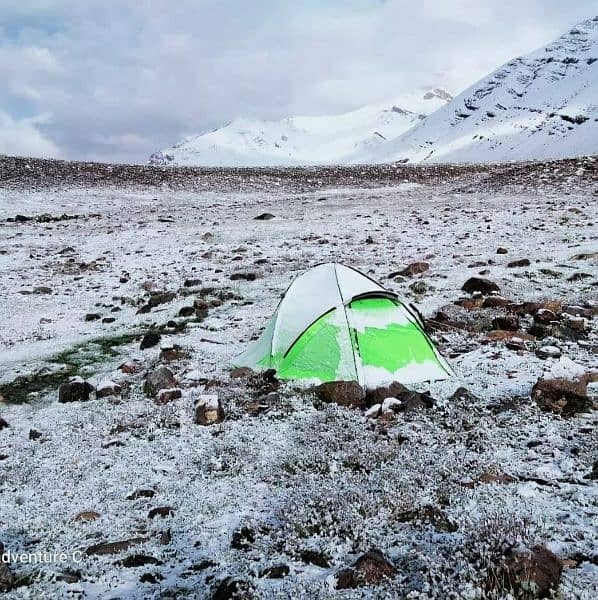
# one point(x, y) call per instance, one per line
point(543, 105)
point(304, 140)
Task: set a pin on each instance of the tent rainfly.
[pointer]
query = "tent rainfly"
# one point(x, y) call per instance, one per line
point(336, 324)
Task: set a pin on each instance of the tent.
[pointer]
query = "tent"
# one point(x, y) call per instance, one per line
point(336, 324)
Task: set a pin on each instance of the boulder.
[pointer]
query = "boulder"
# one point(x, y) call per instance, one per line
point(378, 395)
point(230, 588)
point(343, 393)
point(76, 389)
point(536, 573)
point(160, 378)
point(481, 285)
point(208, 410)
point(562, 396)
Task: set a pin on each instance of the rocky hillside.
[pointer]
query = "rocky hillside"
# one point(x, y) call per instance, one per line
point(303, 140)
point(543, 105)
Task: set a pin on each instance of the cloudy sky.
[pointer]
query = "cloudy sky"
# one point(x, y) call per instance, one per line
point(114, 80)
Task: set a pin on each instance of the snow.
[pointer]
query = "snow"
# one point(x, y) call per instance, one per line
point(302, 476)
point(539, 106)
point(303, 140)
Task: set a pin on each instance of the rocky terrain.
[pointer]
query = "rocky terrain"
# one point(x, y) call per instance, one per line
point(127, 443)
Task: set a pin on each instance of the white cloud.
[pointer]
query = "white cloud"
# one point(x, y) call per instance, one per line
point(21, 137)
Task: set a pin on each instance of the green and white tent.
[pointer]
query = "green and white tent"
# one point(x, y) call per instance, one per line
point(336, 324)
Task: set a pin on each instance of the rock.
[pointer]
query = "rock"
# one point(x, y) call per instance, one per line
point(3, 424)
point(577, 323)
point(501, 251)
point(34, 434)
point(507, 323)
point(499, 478)
point(415, 268)
point(535, 573)
point(544, 316)
point(76, 389)
point(7, 580)
point(114, 547)
point(92, 316)
point(524, 262)
point(42, 289)
point(150, 340)
point(157, 298)
point(170, 353)
point(242, 373)
point(108, 388)
point(142, 493)
point(548, 352)
point(230, 588)
point(108, 320)
point(249, 276)
point(208, 410)
point(373, 412)
point(160, 378)
point(315, 557)
point(275, 572)
point(242, 538)
point(481, 285)
point(372, 568)
point(343, 393)
point(378, 395)
point(168, 395)
point(264, 217)
point(160, 511)
point(562, 396)
point(131, 367)
point(192, 282)
point(187, 311)
point(139, 560)
point(165, 537)
point(495, 302)
point(88, 515)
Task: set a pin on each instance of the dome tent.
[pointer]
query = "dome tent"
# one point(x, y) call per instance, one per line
point(336, 324)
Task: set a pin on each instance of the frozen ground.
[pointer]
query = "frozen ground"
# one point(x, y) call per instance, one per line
point(314, 485)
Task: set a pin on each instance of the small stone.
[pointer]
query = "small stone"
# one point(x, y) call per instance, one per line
point(413, 269)
point(524, 262)
point(544, 316)
point(88, 515)
point(34, 434)
point(208, 410)
point(186, 311)
point(241, 373)
point(131, 367)
point(161, 511)
point(372, 568)
point(108, 388)
point(114, 547)
point(507, 323)
point(150, 340)
point(501, 251)
point(242, 538)
point(232, 589)
point(343, 393)
point(165, 537)
point(108, 320)
point(75, 390)
point(264, 217)
point(275, 572)
point(160, 378)
point(192, 282)
point(168, 395)
point(548, 352)
point(3, 424)
point(92, 316)
point(481, 285)
point(141, 493)
point(250, 276)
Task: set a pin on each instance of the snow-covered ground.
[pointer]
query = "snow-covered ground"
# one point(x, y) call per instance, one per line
point(313, 485)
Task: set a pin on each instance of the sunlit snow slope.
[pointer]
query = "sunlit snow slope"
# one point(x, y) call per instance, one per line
point(543, 105)
point(304, 140)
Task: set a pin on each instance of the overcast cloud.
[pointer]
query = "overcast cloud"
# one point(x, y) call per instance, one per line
point(115, 80)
